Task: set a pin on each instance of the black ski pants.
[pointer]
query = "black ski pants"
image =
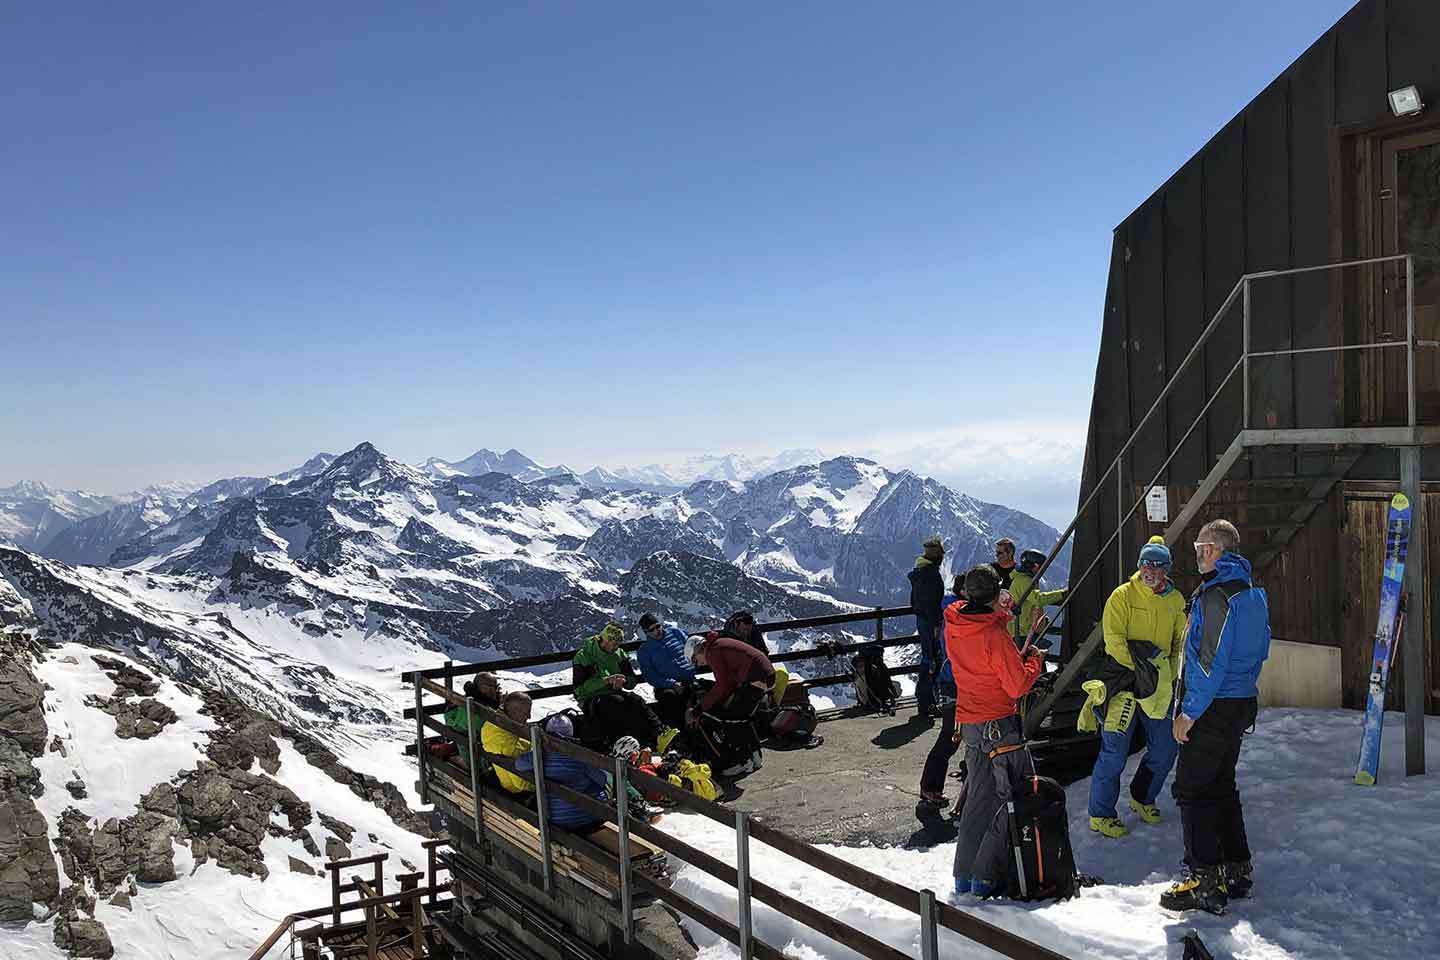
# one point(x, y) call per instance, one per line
point(622, 713)
point(1205, 789)
point(982, 848)
point(937, 763)
point(671, 703)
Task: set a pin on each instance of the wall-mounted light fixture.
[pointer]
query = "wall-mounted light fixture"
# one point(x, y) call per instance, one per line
point(1406, 101)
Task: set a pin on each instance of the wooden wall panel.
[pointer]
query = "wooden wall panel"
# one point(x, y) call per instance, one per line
point(1414, 27)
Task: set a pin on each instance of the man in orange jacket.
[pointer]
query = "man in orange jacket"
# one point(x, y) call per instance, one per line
point(990, 676)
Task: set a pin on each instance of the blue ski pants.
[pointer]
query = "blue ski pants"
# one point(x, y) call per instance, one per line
point(1160, 751)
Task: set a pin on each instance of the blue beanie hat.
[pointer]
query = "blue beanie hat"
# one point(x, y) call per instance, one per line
point(1155, 552)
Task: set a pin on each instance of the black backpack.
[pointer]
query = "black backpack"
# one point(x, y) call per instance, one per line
point(1041, 861)
point(873, 686)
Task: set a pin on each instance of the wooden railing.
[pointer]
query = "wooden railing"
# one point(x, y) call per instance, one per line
point(932, 914)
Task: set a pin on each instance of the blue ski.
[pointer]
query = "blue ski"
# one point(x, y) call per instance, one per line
point(1397, 540)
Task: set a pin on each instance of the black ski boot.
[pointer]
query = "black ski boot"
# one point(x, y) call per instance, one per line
point(1238, 879)
point(1203, 889)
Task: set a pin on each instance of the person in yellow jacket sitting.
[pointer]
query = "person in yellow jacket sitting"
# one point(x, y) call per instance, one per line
point(1034, 600)
point(499, 742)
point(1144, 626)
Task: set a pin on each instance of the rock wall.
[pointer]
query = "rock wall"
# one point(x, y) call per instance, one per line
point(27, 867)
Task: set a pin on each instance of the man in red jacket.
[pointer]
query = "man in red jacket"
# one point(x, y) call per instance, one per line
point(990, 676)
point(743, 678)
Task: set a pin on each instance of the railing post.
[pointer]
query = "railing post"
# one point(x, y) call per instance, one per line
point(1410, 340)
point(929, 934)
point(622, 821)
point(474, 768)
point(1245, 345)
point(537, 754)
point(879, 626)
point(420, 741)
point(742, 883)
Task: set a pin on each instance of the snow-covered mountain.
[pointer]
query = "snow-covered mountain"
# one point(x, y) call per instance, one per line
point(655, 477)
point(511, 463)
point(32, 514)
point(94, 539)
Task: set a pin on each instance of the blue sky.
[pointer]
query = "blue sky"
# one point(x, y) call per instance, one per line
point(235, 235)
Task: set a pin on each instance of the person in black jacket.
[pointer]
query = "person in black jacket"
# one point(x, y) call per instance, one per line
point(927, 589)
point(740, 625)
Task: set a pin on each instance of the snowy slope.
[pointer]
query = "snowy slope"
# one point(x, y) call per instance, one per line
point(1326, 886)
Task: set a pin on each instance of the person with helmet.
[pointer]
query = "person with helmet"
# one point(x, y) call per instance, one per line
point(990, 677)
point(1034, 600)
point(1144, 624)
point(580, 777)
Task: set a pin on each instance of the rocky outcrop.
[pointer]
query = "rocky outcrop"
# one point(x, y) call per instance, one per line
point(384, 795)
point(110, 854)
point(83, 937)
point(140, 718)
point(27, 867)
point(227, 813)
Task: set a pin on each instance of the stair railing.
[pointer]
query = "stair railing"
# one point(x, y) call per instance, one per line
point(1240, 291)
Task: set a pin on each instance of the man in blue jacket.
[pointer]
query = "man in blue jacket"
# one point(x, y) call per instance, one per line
point(665, 667)
point(1225, 646)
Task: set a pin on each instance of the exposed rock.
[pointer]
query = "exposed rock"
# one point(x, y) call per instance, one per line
point(140, 846)
point(300, 866)
point(228, 813)
point(57, 745)
point(161, 799)
point(134, 719)
point(340, 828)
point(76, 788)
point(384, 795)
point(127, 679)
point(336, 850)
point(83, 938)
point(121, 899)
point(27, 867)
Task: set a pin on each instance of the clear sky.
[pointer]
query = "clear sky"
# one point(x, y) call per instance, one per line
point(236, 234)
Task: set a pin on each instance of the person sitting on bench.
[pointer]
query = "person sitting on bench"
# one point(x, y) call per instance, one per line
point(665, 667)
point(582, 778)
point(602, 674)
point(744, 678)
point(500, 742)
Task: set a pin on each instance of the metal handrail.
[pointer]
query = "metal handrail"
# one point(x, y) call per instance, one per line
point(1242, 289)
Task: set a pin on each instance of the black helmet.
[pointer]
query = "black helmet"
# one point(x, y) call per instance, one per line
point(1030, 561)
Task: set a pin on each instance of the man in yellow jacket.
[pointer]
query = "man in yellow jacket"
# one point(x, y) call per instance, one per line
point(1144, 626)
point(499, 742)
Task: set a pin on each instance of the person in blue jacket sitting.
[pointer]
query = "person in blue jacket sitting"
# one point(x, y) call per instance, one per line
point(579, 777)
point(665, 667)
point(1226, 645)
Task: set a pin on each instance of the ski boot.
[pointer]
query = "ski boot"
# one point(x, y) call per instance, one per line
point(1147, 811)
point(1110, 827)
point(1203, 889)
point(1238, 879)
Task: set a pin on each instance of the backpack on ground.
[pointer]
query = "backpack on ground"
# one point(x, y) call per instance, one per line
point(873, 686)
point(1042, 863)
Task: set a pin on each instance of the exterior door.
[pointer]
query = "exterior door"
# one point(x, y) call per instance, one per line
point(1410, 223)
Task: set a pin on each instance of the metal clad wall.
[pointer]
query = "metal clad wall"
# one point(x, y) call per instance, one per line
point(1185, 312)
point(1413, 57)
point(1360, 57)
point(1145, 287)
point(1314, 322)
point(1224, 264)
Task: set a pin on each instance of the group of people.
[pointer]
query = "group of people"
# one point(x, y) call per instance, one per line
point(694, 720)
point(1184, 673)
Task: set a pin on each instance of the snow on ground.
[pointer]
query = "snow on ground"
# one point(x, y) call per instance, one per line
point(207, 912)
point(1326, 851)
point(116, 772)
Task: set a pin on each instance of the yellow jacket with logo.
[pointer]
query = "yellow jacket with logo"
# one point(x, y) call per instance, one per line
point(503, 743)
point(1133, 613)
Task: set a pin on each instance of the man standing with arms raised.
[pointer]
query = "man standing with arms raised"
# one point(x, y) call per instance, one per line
point(1225, 647)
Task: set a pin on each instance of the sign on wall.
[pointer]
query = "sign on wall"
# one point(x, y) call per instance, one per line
point(1157, 505)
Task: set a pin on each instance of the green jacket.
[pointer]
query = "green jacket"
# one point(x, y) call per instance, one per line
point(1136, 615)
point(1034, 603)
point(593, 665)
